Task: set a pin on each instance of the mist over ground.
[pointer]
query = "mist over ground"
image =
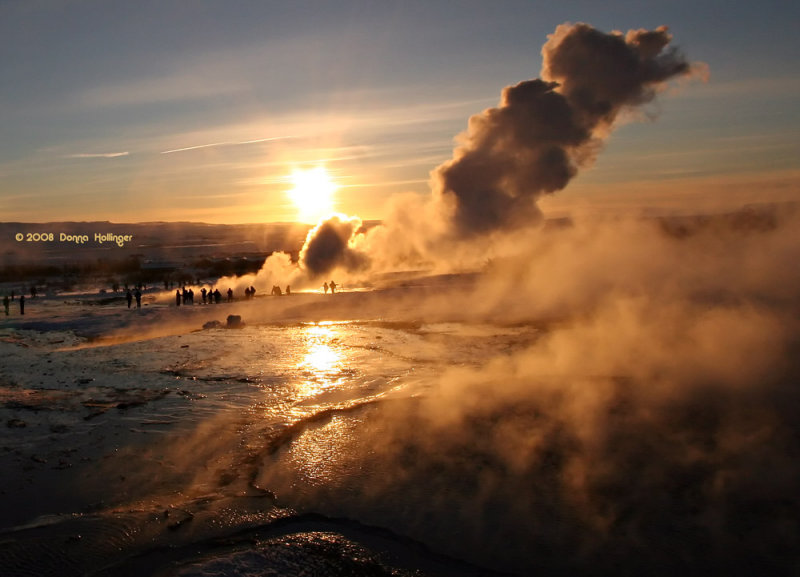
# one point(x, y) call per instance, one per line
point(652, 426)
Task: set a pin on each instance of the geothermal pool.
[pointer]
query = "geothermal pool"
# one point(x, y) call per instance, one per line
point(384, 433)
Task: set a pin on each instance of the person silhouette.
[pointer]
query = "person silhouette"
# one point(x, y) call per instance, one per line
point(333, 287)
point(5, 304)
point(22, 304)
point(325, 287)
point(129, 297)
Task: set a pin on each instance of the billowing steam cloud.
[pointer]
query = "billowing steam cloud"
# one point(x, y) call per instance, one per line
point(532, 144)
point(328, 246)
point(545, 129)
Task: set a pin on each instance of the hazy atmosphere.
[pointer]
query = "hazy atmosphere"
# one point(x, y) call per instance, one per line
point(413, 290)
point(201, 111)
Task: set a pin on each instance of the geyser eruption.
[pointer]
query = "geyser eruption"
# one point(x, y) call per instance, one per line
point(545, 129)
point(329, 246)
point(532, 144)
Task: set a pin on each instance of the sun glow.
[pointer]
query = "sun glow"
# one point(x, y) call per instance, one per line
point(312, 193)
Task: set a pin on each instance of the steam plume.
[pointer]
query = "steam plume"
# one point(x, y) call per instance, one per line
point(545, 129)
point(329, 246)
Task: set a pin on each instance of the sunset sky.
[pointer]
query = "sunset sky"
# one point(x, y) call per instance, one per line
point(202, 110)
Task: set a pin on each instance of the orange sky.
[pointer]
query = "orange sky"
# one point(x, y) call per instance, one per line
point(207, 118)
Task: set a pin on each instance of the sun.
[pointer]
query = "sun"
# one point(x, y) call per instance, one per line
point(312, 193)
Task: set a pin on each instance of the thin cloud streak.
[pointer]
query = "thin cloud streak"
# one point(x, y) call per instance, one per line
point(227, 143)
point(98, 155)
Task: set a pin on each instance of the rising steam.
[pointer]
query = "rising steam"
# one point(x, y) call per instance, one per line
point(648, 427)
point(543, 131)
point(329, 246)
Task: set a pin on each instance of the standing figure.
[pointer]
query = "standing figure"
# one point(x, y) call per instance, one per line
point(5, 304)
point(178, 297)
point(138, 294)
point(203, 294)
point(325, 288)
point(230, 295)
point(129, 297)
point(22, 304)
point(333, 287)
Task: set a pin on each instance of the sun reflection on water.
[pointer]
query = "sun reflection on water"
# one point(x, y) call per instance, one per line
point(322, 364)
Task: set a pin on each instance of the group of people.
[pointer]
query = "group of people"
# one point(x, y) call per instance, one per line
point(182, 296)
point(186, 296)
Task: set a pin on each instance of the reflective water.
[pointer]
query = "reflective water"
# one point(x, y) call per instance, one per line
point(217, 431)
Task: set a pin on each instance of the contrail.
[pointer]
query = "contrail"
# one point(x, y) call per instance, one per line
point(227, 143)
point(97, 155)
